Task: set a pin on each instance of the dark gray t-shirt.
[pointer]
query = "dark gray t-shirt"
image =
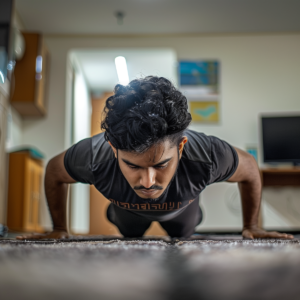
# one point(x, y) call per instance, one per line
point(205, 160)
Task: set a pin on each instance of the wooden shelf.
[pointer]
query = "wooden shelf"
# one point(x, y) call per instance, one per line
point(280, 177)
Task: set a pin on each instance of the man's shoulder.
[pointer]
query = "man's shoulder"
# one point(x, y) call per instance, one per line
point(198, 147)
point(101, 150)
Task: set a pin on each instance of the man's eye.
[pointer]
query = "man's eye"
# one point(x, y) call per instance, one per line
point(161, 167)
point(132, 167)
point(157, 167)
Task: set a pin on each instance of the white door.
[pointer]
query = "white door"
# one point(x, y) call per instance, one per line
point(3, 160)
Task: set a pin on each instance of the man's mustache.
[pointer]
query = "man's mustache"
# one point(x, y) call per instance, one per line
point(153, 187)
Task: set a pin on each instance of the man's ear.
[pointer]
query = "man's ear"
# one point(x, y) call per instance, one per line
point(181, 145)
point(113, 148)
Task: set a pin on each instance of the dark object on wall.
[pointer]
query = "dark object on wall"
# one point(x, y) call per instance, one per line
point(3, 230)
point(29, 83)
point(6, 8)
point(281, 139)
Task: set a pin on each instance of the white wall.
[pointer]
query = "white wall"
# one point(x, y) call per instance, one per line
point(4, 88)
point(80, 193)
point(259, 73)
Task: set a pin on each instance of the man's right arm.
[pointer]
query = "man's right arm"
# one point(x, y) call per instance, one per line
point(56, 190)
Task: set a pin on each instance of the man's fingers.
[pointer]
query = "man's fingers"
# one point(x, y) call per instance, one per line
point(50, 235)
point(29, 237)
point(248, 235)
point(281, 235)
point(277, 235)
point(262, 234)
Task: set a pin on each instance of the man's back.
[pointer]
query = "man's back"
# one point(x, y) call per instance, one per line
point(92, 161)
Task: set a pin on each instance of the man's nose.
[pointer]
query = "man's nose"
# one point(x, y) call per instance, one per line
point(148, 177)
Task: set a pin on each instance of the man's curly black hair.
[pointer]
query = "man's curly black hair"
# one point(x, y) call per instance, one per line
point(145, 112)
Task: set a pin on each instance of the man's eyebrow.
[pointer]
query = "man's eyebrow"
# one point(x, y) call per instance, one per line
point(160, 163)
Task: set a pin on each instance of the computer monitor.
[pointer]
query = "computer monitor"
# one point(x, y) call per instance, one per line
point(281, 138)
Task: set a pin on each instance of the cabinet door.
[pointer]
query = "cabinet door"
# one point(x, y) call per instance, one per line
point(30, 77)
point(41, 78)
point(29, 196)
point(37, 189)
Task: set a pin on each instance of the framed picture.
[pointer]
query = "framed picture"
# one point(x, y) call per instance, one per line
point(199, 82)
point(201, 74)
point(204, 111)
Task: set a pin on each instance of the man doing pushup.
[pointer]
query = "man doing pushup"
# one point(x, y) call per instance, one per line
point(151, 167)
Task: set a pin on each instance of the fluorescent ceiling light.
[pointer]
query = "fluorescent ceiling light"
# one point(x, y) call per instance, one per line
point(38, 64)
point(2, 77)
point(122, 71)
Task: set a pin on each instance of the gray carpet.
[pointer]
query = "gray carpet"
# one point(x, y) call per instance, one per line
point(104, 268)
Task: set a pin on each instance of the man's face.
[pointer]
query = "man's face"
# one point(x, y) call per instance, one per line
point(150, 173)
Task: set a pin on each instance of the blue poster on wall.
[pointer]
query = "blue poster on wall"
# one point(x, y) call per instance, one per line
point(199, 73)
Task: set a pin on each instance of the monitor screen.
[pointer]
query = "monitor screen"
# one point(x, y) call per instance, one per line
point(281, 139)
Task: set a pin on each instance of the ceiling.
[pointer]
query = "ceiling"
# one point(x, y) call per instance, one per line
point(159, 16)
point(98, 66)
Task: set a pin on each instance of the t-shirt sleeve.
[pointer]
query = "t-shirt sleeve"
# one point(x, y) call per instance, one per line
point(224, 160)
point(78, 160)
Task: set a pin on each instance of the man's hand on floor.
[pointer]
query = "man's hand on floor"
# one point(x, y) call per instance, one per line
point(55, 234)
point(258, 233)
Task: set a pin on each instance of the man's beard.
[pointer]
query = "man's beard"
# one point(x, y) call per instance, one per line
point(154, 187)
point(149, 200)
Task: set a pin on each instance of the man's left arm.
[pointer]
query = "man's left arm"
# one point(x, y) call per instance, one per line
point(248, 178)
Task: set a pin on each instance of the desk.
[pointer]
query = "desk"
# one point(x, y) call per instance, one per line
point(277, 177)
point(280, 177)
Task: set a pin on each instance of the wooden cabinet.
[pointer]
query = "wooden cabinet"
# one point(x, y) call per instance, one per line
point(280, 177)
point(29, 81)
point(24, 192)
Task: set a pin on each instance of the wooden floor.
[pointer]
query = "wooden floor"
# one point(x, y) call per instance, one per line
point(206, 267)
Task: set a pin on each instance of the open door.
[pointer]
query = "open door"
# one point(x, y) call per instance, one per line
point(99, 224)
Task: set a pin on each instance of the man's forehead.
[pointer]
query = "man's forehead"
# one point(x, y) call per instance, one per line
point(155, 154)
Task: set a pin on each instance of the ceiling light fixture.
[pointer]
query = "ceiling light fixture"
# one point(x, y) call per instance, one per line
point(2, 77)
point(122, 71)
point(120, 17)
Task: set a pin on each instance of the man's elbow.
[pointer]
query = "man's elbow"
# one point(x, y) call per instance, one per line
point(247, 170)
point(56, 170)
point(252, 173)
